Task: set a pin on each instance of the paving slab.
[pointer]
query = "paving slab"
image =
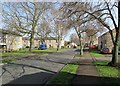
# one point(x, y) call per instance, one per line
point(86, 73)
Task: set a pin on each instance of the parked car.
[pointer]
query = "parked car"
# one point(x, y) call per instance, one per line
point(105, 50)
point(119, 50)
point(42, 47)
point(92, 46)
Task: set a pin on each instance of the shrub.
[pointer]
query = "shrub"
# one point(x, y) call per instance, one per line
point(20, 48)
point(27, 46)
point(62, 47)
point(36, 47)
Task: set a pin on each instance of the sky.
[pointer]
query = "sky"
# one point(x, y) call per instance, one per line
point(67, 38)
point(56, 0)
point(57, 5)
point(0, 15)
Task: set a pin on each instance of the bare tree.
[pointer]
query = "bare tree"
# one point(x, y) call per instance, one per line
point(58, 29)
point(43, 30)
point(105, 12)
point(74, 38)
point(77, 19)
point(25, 16)
point(102, 12)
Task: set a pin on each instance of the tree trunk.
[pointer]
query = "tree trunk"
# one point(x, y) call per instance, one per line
point(31, 39)
point(116, 44)
point(115, 54)
point(114, 61)
point(31, 43)
point(81, 47)
point(58, 45)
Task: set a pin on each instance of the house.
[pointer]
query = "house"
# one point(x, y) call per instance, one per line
point(53, 42)
point(10, 40)
point(105, 41)
point(50, 42)
point(25, 41)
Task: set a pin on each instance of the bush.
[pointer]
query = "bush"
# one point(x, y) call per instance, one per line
point(36, 47)
point(27, 46)
point(20, 48)
point(62, 47)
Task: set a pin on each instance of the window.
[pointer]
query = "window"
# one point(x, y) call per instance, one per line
point(18, 39)
point(105, 41)
point(3, 39)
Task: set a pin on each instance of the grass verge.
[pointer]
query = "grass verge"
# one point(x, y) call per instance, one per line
point(110, 75)
point(95, 53)
point(64, 76)
point(26, 52)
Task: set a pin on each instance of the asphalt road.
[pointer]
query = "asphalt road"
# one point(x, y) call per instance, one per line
point(35, 70)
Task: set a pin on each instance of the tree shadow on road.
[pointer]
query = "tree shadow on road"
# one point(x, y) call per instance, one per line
point(40, 79)
point(84, 50)
point(34, 79)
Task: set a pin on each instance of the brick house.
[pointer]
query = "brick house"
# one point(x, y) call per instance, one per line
point(105, 41)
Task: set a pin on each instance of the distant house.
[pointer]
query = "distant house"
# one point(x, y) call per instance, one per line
point(50, 42)
point(90, 39)
point(53, 42)
point(10, 40)
point(105, 41)
point(25, 41)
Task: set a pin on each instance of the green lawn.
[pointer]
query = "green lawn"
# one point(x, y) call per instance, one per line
point(95, 53)
point(34, 52)
point(64, 76)
point(25, 53)
point(111, 75)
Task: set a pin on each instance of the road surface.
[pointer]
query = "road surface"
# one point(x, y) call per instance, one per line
point(35, 70)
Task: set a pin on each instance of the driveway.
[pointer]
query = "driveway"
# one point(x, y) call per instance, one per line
point(35, 70)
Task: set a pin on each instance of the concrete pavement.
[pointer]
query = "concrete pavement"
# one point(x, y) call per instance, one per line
point(86, 73)
point(35, 70)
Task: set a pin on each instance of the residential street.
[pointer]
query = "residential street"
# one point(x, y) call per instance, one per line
point(60, 43)
point(35, 70)
point(40, 69)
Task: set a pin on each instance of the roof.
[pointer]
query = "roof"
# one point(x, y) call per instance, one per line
point(105, 33)
point(25, 38)
point(3, 31)
point(38, 38)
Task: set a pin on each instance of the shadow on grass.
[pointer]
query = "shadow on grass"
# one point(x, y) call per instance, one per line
point(95, 81)
point(67, 79)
